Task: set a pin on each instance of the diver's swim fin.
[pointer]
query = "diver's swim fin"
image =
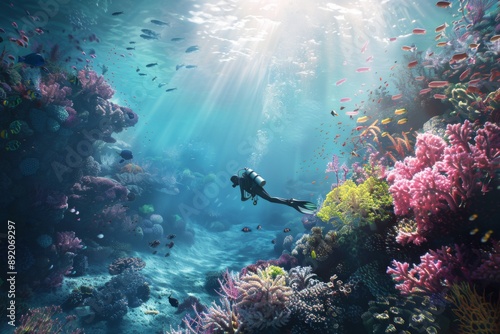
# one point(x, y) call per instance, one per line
point(303, 206)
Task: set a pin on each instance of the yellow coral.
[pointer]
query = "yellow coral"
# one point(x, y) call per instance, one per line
point(474, 313)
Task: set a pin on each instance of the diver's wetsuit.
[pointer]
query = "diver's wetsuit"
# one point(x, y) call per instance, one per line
point(250, 189)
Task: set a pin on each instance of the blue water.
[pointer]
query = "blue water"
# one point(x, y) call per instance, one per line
point(257, 92)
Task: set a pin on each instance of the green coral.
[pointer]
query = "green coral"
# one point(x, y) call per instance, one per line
point(147, 209)
point(350, 205)
point(272, 272)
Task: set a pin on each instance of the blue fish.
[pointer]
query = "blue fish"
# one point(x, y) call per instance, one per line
point(33, 59)
point(192, 49)
point(170, 90)
point(176, 39)
point(126, 155)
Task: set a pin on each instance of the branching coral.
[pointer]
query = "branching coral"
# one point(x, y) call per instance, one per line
point(44, 320)
point(474, 312)
point(441, 177)
point(436, 271)
point(351, 205)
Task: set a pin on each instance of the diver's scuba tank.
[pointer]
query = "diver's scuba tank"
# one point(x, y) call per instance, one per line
point(255, 177)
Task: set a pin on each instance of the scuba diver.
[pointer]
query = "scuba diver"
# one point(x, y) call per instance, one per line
point(251, 185)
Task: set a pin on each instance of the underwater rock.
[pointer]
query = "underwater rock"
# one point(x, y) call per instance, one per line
point(436, 126)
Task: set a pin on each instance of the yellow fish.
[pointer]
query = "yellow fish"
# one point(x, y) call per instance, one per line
point(401, 111)
point(474, 231)
point(473, 217)
point(486, 236)
point(313, 254)
point(403, 121)
point(386, 120)
point(4, 134)
point(362, 119)
point(384, 134)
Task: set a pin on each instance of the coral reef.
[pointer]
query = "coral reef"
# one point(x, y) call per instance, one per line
point(68, 242)
point(441, 177)
point(474, 312)
point(121, 264)
point(101, 189)
point(349, 205)
point(317, 307)
point(315, 245)
point(44, 320)
point(262, 300)
point(414, 314)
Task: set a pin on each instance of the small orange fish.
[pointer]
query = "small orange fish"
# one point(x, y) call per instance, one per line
point(443, 44)
point(495, 38)
point(443, 4)
point(412, 64)
point(474, 46)
point(459, 56)
point(441, 27)
point(419, 31)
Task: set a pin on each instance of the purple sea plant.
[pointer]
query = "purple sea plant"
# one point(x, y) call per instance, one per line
point(476, 9)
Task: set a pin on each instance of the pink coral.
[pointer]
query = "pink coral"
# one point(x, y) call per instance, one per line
point(54, 93)
point(489, 270)
point(67, 242)
point(442, 177)
point(94, 188)
point(94, 85)
point(437, 270)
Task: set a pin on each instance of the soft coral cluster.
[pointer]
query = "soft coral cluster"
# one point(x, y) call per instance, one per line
point(94, 85)
point(441, 176)
point(436, 271)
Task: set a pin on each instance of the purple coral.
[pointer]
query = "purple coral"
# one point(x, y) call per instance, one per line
point(68, 242)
